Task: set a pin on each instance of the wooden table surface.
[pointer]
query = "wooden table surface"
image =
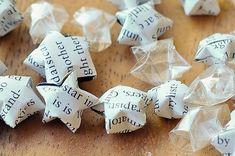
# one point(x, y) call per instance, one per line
point(32, 137)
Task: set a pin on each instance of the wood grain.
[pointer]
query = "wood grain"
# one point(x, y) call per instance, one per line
point(31, 137)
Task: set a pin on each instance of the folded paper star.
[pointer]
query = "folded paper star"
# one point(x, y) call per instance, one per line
point(224, 142)
point(216, 49)
point(125, 4)
point(141, 25)
point(17, 100)
point(66, 101)
point(123, 108)
point(43, 17)
point(201, 7)
point(214, 86)
point(198, 127)
point(168, 99)
point(96, 25)
point(10, 17)
point(158, 62)
point(58, 55)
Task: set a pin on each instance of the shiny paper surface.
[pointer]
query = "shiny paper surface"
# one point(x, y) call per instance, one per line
point(96, 25)
point(43, 17)
point(158, 62)
point(198, 127)
point(214, 86)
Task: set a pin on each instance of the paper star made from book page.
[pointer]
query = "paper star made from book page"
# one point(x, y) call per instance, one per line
point(125, 4)
point(168, 99)
point(224, 142)
point(141, 25)
point(10, 17)
point(195, 131)
point(123, 108)
point(58, 55)
point(217, 49)
point(66, 101)
point(158, 62)
point(17, 99)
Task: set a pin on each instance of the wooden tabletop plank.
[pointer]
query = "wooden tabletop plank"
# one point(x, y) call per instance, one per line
point(113, 65)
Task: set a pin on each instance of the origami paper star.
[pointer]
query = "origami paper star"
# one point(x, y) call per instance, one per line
point(58, 55)
point(201, 7)
point(158, 62)
point(125, 4)
point(224, 142)
point(123, 108)
point(168, 99)
point(17, 100)
point(198, 127)
point(141, 25)
point(217, 49)
point(43, 17)
point(214, 86)
point(66, 101)
point(96, 25)
point(10, 17)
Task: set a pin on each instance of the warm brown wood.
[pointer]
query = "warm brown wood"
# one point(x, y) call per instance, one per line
point(31, 137)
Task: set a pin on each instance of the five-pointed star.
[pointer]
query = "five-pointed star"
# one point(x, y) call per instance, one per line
point(158, 62)
point(58, 55)
point(66, 101)
point(17, 100)
point(43, 17)
point(96, 25)
point(141, 25)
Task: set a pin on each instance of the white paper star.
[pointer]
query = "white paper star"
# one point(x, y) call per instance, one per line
point(17, 100)
point(168, 99)
point(217, 49)
point(141, 25)
point(123, 108)
point(58, 55)
point(10, 17)
point(66, 101)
